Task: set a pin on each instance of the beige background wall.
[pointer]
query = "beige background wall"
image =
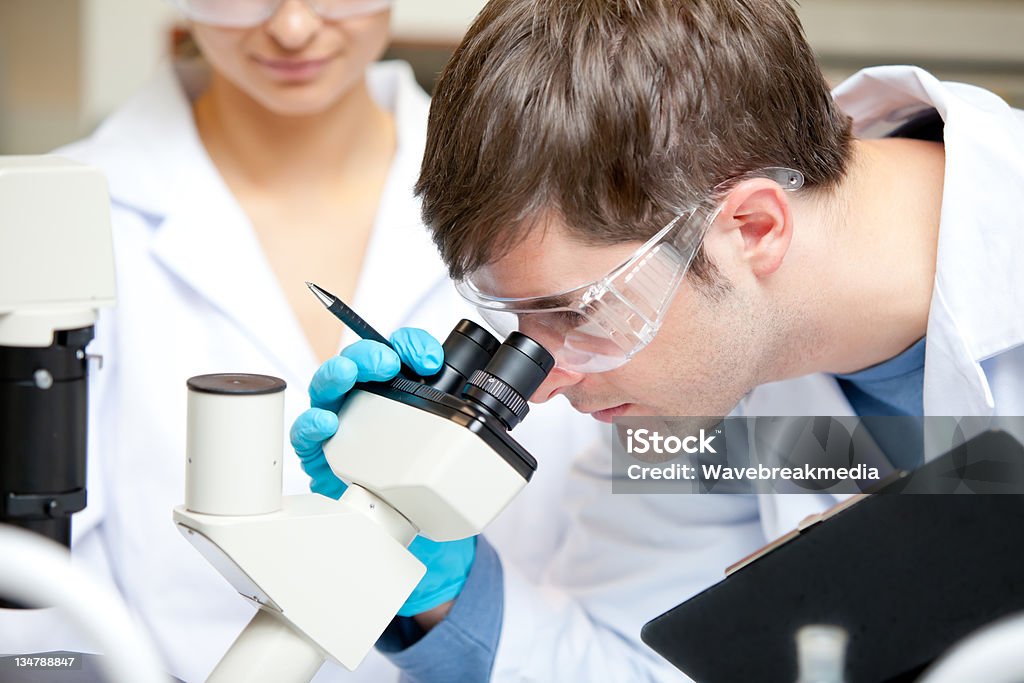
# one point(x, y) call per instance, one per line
point(65, 63)
point(975, 41)
point(40, 86)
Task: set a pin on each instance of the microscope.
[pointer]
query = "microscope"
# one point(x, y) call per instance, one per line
point(430, 456)
point(56, 271)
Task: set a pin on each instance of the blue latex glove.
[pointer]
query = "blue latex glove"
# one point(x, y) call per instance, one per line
point(447, 563)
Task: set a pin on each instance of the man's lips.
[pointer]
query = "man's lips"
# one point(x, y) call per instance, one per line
point(606, 414)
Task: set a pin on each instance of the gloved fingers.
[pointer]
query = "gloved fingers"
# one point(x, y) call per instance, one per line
point(307, 435)
point(444, 555)
point(310, 430)
point(329, 486)
point(322, 478)
point(425, 549)
point(418, 349)
point(420, 603)
point(331, 382)
point(374, 361)
point(448, 564)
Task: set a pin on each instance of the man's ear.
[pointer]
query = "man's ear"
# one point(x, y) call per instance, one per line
point(758, 214)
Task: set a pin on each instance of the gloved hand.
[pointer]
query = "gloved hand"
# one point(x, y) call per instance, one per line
point(447, 563)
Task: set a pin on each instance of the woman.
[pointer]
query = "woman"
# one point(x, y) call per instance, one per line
point(286, 156)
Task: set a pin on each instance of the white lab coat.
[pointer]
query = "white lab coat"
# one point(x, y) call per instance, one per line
point(974, 353)
point(627, 558)
point(196, 295)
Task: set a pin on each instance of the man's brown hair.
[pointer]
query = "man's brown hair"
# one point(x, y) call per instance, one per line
point(615, 115)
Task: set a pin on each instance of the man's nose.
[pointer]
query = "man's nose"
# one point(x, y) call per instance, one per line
point(294, 24)
point(555, 383)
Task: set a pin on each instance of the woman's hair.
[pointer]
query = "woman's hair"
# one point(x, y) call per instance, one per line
point(614, 115)
point(183, 44)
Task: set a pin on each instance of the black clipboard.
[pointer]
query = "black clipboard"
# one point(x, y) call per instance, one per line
point(906, 575)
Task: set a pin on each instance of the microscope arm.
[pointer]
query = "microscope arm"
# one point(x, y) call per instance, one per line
point(326, 579)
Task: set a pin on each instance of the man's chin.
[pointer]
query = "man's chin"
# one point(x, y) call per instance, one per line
point(701, 417)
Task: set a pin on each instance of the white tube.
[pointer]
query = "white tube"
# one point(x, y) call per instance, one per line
point(233, 458)
point(268, 651)
point(36, 571)
point(994, 654)
point(821, 653)
point(376, 509)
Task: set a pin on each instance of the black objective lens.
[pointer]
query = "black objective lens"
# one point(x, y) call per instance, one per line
point(467, 349)
point(503, 388)
point(43, 400)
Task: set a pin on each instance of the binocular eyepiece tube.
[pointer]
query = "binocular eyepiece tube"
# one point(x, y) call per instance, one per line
point(498, 378)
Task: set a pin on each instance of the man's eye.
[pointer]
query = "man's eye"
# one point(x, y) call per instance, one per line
point(551, 322)
point(569, 317)
point(563, 321)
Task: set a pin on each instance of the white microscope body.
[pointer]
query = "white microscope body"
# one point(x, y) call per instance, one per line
point(56, 255)
point(329, 575)
point(56, 272)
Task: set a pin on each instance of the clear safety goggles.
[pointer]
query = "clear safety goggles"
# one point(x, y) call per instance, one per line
point(248, 13)
point(601, 325)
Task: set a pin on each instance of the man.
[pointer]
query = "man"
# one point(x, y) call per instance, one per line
point(843, 254)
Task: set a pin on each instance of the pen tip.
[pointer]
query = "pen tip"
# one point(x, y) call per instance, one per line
point(326, 298)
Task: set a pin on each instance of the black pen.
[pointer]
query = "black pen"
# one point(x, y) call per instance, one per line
point(354, 322)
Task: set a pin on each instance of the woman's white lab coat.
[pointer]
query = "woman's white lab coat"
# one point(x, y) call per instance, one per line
point(196, 295)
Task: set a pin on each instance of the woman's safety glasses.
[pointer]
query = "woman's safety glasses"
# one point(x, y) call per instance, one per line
point(599, 326)
point(248, 13)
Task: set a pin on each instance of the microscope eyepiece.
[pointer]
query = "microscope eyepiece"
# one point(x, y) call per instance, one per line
point(504, 386)
point(467, 349)
point(470, 331)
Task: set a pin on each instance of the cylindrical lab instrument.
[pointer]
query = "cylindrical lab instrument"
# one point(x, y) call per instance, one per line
point(821, 653)
point(235, 432)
